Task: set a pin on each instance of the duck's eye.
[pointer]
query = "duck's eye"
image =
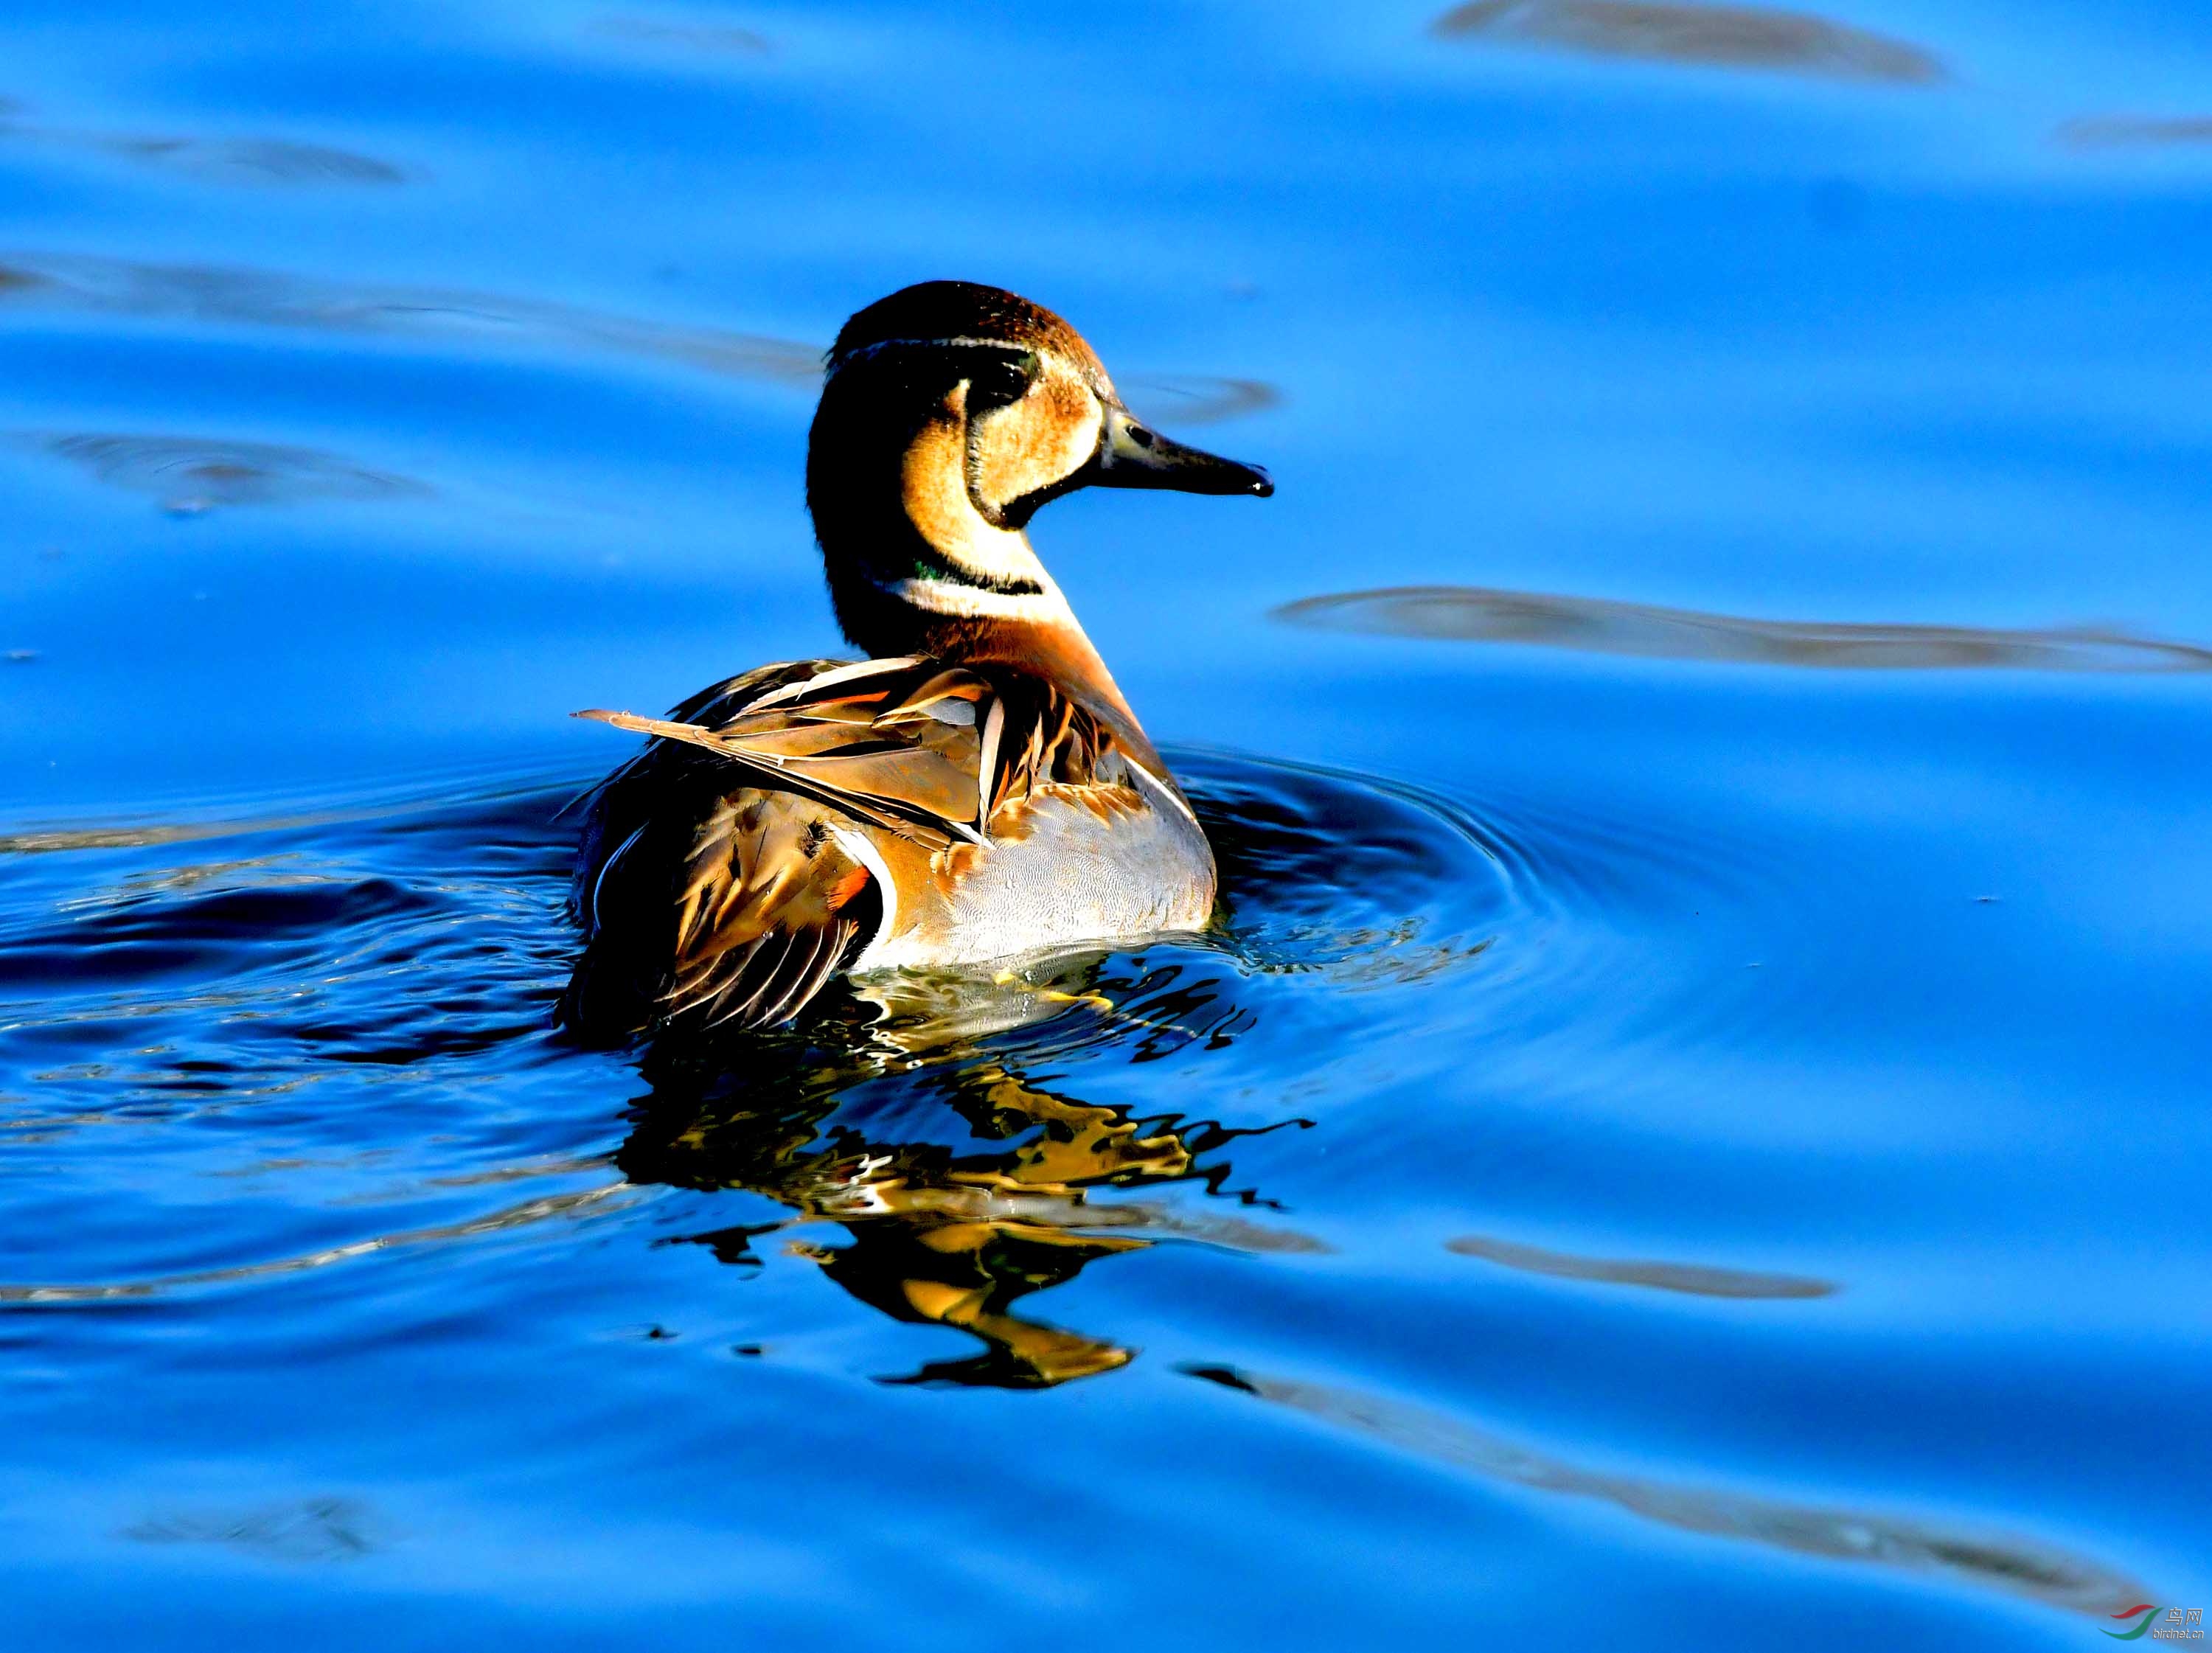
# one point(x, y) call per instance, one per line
point(999, 379)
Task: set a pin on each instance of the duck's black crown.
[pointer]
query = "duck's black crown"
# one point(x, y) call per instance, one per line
point(930, 311)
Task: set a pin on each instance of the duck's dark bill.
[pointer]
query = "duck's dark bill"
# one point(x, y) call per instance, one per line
point(1132, 456)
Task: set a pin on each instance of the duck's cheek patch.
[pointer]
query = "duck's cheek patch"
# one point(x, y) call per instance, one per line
point(1036, 444)
point(933, 487)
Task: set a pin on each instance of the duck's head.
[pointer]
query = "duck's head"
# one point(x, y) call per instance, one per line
point(951, 412)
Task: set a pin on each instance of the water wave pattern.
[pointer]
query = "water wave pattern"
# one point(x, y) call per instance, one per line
point(2134, 131)
point(192, 474)
point(248, 1054)
point(712, 39)
point(307, 967)
point(1734, 36)
point(254, 161)
point(1596, 625)
point(1686, 1132)
point(232, 296)
point(2003, 1562)
point(341, 1019)
point(259, 298)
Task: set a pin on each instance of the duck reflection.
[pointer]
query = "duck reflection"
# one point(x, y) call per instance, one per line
point(946, 1236)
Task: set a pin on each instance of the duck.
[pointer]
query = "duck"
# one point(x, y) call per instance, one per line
point(975, 789)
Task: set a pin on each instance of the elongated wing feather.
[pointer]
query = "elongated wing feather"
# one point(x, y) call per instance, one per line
point(932, 752)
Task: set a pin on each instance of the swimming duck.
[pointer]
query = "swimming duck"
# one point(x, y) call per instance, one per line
point(977, 787)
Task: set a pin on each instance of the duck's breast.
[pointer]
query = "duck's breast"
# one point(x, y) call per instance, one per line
point(1067, 874)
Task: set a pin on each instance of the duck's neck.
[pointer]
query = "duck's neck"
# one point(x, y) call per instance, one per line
point(915, 568)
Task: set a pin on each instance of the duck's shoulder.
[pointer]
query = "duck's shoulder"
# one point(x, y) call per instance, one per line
point(935, 752)
point(719, 702)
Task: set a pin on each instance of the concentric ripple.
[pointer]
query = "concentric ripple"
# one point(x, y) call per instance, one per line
point(333, 1006)
point(296, 1076)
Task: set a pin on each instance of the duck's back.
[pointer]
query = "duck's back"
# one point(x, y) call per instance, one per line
point(818, 817)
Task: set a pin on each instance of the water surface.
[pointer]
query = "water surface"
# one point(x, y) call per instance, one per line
point(1690, 1132)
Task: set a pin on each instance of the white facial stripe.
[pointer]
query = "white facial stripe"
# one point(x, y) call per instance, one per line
point(989, 553)
point(959, 342)
point(1047, 607)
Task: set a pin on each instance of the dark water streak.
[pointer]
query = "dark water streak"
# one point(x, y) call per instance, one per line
point(2134, 132)
point(321, 1530)
point(191, 474)
point(708, 38)
point(1989, 1561)
point(1694, 1280)
point(237, 161)
point(256, 298)
point(1596, 625)
point(1702, 36)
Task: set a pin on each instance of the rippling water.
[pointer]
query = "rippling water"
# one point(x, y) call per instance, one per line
point(1676, 1142)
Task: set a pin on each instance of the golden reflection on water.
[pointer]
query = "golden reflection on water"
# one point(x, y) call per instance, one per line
point(1714, 37)
point(986, 1183)
point(1597, 625)
point(936, 1236)
point(2006, 1562)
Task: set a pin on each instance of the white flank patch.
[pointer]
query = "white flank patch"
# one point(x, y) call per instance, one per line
point(1047, 607)
point(1161, 789)
point(856, 845)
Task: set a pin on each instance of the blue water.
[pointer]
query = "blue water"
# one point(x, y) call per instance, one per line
point(1693, 1131)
